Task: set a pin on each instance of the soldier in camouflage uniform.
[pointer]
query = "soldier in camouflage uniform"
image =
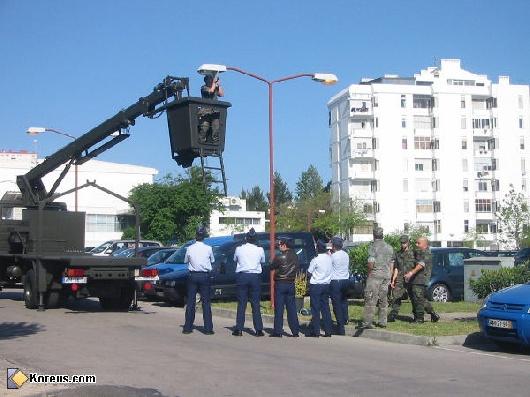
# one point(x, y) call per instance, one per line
point(403, 262)
point(380, 262)
point(419, 277)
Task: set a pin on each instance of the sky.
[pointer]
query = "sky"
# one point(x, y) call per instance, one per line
point(71, 64)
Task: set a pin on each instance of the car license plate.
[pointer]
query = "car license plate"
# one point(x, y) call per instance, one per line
point(147, 279)
point(74, 280)
point(506, 324)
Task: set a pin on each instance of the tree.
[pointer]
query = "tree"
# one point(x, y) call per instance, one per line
point(172, 208)
point(514, 218)
point(309, 185)
point(255, 199)
point(282, 194)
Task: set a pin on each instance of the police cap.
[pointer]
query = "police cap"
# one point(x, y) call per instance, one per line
point(403, 238)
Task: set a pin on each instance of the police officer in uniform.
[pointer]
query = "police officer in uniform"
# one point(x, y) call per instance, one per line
point(419, 277)
point(380, 264)
point(199, 258)
point(403, 262)
point(320, 269)
point(249, 258)
point(339, 285)
point(286, 266)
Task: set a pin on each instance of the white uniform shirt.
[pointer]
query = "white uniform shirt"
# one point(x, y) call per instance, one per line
point(249, 258)
point(199, 257)
point(320, 269)
point(341, 265)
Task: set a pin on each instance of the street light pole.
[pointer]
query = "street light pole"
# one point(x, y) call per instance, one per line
point(325, 78)
point(40, 130)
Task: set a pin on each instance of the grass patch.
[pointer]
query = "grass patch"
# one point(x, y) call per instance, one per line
point(442, 328)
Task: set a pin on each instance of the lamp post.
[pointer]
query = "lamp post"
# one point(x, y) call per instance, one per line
point(40, 130)
point(325, 78)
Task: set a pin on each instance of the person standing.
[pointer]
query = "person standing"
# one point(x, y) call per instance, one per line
point(380, 263)
point(199, 258)
point(287, 266)
point(208, 116)
point(249, 258)
point(403, 262)
point(339, 285)
point(419, 277)
point(320, 269)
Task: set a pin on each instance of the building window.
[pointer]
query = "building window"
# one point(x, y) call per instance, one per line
point(463, 102)
point(466, 226)
point(523, 185)
point(464, 143)
point(230, 220)
point(404, 143)
point(523, 166)
point(377, 122)
point(403, 101)
point(481, 228)
point(418, 167)
point(495, 185)
point(437, 206)
point(520, 101)
point(404, 123)
point(424, 206)
point(437, 226)
point(423, 122)
point(405, 185)
point(422, 142)
point(483, 205)
point(374, 186)
point(422, 101)
point(436, 185)
point(466, 205)
point(520, 122)
point(521, 142)
point(482, 186)
point(375, 102)
point(491, 103)
point(464, 165)
point(463, 123)
point(435, 122)
point(493, 143)
point(465, 184)
point(435, 164)
point(102, 223)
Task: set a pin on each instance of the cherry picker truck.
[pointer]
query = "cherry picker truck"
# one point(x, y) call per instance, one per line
point(45, 248)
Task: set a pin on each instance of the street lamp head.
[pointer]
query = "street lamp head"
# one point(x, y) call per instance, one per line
point(210, 68)
point(35, 130)
point(325, 78)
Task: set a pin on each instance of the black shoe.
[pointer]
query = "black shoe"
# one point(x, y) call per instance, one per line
point(435, 317)
point(209, 332)
point(187, 331)
point(275, 335)
point(259, 333)
point(391, 318)
point(237, 332)
point(294, 336)
point(326, 335)
point(364, 326)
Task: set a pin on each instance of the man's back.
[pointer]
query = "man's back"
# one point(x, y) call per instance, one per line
point(381, 254)
point(249, 258)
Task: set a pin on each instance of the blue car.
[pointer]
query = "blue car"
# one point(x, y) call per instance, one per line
point(174, 268)
point(505, 315)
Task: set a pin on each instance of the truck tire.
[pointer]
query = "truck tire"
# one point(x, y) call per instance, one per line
point(31, 296)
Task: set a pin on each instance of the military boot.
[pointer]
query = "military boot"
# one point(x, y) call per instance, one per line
point(435, 317)
point(391, 318)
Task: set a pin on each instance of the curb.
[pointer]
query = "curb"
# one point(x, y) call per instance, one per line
point(377, 334)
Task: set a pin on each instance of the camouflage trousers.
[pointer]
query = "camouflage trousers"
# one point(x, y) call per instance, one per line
point(418, 298)
point(376, 291)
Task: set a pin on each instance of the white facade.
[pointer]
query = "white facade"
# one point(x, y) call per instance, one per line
point(439, 149)
point(235, 218)
point(102, 210)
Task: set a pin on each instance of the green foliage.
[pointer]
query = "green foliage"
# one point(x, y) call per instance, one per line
point(300, 285)
point(495, 280)
point(309, 185)
point(359, 259)
point(255, 199)
point(170, 209)
point(282, 194)
point(514, 217)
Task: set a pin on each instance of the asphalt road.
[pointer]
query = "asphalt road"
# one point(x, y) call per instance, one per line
point(145, 354)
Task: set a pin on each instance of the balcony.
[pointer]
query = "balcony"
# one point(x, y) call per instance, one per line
point(483, 153)
point(362, 153)
point(482, 132)
point(356, 174)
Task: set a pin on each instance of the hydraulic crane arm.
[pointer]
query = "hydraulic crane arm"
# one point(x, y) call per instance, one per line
point(83, 148)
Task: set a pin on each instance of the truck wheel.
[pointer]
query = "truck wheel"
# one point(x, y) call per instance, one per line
point(30, 290)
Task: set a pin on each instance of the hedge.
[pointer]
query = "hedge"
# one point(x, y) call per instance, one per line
point(495, 280)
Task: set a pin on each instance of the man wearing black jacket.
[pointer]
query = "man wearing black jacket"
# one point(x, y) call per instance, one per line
point(286, 266)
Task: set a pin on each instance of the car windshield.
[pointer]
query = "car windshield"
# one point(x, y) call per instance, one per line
point(101, 248)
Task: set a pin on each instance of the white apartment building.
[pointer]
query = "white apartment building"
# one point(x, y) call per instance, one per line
point(105, 215)
point(439, 149)
point(235, 218)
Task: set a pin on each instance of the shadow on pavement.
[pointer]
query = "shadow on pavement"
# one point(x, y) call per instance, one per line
point(92, 305)
point(477, 342)
point(105, 391)
point(16, 330)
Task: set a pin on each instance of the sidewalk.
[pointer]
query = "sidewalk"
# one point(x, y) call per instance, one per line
point(378, 334)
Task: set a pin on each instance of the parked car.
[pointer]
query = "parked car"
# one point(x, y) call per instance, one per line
point(160, 256)
point(505, 315)
point(223, 274)
point(142, 252)
point(447, 277)
point(109, 247)
point(522, 256)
